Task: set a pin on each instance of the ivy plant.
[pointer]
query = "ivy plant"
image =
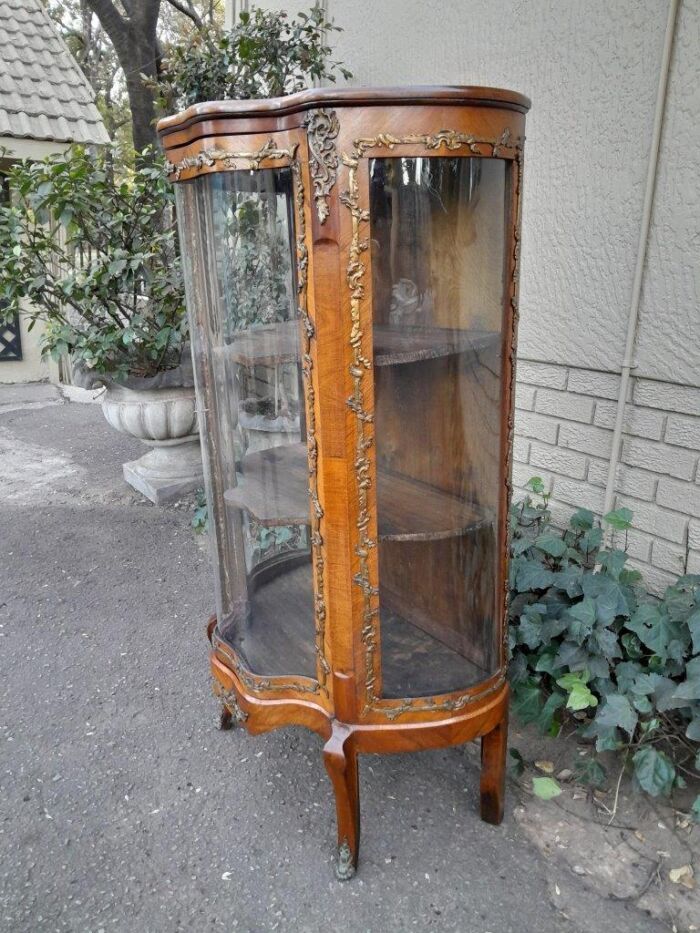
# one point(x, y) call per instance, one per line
point(587, 644)
point(266, 54)
point(93, 257)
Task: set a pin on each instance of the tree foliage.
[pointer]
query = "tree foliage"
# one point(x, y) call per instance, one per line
point(115, 42)
point(266, 54)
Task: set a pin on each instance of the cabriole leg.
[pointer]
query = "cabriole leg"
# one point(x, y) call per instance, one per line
point(493, 772)
point(340, 760)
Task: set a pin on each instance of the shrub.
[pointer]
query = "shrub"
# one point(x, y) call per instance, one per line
point(588, 643)
point(94, 258)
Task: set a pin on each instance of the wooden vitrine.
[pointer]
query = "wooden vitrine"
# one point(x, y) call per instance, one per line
point(351, 262)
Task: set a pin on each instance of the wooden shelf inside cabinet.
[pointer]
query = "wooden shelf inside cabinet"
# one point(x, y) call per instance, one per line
point(274, 489)
point(273, 344)
point(396, 345)
point(270, 344)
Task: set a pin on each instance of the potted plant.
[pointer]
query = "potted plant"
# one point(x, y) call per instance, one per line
point(93, 255)
point(93, 258)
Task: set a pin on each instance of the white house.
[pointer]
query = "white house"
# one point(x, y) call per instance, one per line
point(45, 105)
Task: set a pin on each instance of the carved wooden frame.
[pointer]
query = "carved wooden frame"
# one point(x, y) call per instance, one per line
point(224, 159)
point(508, 147)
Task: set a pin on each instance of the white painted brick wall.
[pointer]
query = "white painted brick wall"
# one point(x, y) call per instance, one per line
point(564, 421)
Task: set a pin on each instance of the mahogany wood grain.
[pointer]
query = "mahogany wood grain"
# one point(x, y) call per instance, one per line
point(494, 745)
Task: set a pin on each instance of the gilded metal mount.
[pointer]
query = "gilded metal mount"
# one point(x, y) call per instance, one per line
point(344, 868)
point(322, 128)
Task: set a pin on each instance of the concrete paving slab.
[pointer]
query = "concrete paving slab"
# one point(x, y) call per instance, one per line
point(29, 395)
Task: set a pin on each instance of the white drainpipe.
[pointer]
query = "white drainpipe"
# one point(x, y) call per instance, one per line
point(627, 362)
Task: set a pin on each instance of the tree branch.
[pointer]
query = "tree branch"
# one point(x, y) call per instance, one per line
point(187, 10)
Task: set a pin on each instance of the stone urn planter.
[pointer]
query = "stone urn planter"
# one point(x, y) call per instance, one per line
point(161, 412)
point(165, 420)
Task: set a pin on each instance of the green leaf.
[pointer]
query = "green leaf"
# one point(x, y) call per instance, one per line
point(546, 721)
point(693, 731)
point(582, 519)
point(527, 701)
point(517, 764)
point(530, 630)
point(694, 626)
point(535, 484)
point(610, 600)
point(617, 711)
point(582, 615)
point(632, 646)
point(579, 695)
point(569, 681)
point(570, 655)
point(551, 544)
point(689, 689)
point(531, 575)
point(591, 541)
point(545, 788)
point(569, 580)
point(546, 662)
point(613, 562)
point(654, 629)
point(654, 771)
point(695, 809)
point(519, 546)
point(605, 642)
point(619, 519)
point(590, 771)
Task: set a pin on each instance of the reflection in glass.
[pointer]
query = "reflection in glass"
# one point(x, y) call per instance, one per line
point(437, 250)
point(242, 298)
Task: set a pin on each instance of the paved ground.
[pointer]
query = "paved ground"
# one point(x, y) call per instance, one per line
point(122, 808)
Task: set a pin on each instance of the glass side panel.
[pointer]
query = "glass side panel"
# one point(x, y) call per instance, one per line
point(240, 273)
point(438, 258)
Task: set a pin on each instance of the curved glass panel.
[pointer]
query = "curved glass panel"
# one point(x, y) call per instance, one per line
point(240, 276)
point(438, 261)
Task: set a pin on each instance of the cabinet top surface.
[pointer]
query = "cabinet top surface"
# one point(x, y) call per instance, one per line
point(346, 97)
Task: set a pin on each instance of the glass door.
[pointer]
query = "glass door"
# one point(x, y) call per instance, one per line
point(437, 239)
point(246, 331)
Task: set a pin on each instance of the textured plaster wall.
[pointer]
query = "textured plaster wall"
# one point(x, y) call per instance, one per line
point(591, 69)
point(668, 345)
point(32, 367)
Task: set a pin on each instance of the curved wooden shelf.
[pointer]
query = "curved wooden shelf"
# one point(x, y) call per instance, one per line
point(275, 344)
point(274, 489)
point(269, 344)
point(399, 345)
point(417, 660)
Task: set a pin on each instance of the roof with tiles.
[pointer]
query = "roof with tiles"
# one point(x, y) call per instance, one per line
point(43, 93)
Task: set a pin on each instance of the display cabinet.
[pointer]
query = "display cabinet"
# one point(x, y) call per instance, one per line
point(351, 266)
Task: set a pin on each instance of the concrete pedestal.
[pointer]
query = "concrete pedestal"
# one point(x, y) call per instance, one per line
point(168, 471)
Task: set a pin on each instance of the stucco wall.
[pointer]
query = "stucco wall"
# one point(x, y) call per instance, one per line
point(32, 367)
point(591, 70)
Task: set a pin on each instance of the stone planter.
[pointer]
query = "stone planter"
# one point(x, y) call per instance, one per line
point(166, 420)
